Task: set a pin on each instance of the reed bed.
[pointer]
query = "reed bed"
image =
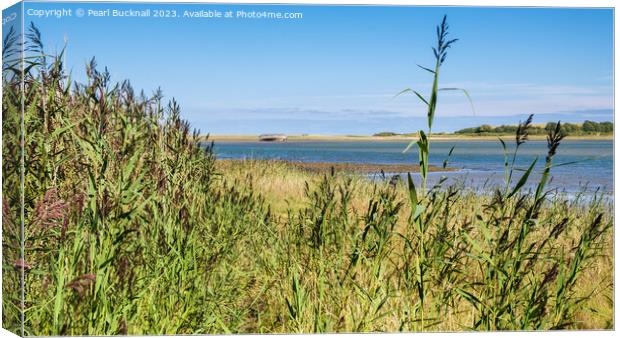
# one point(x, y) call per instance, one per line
point(132, 228)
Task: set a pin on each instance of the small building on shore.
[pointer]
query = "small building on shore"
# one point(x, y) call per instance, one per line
point(272, 138)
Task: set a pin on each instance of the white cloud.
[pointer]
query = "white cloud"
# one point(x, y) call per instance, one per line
point(490, 99)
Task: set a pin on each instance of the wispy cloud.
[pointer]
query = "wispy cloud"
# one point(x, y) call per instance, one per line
point(353, 121)
point(490, 99)
point(367, 113)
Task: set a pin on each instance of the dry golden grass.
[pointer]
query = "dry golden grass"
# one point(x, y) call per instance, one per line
point(283, 189)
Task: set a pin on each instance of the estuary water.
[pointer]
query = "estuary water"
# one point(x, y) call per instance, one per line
point(583, 165)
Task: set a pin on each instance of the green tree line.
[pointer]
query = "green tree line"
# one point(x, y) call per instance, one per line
point(585, 128)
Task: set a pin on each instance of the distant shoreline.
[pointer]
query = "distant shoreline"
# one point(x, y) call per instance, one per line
point(437, 137)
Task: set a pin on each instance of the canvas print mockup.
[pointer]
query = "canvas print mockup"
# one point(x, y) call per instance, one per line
point(175, 168)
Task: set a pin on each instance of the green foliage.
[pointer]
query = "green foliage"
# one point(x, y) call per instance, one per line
point(586, 128)
point(386, 133)
point(125, 218)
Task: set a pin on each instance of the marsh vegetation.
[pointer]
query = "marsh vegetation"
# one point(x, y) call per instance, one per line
point(132, 228)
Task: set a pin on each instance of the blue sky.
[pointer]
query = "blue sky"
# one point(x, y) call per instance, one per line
point(336, 70)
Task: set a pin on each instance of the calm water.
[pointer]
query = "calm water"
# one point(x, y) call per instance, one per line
point(480, 163)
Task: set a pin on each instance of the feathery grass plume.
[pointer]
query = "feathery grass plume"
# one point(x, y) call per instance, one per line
point(442, 43)
point(521, 136)
point(21, 264)
point(554, 138)
point(523, 129)
point(49, 210)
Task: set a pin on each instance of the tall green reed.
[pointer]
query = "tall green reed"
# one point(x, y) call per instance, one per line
point(423, 241)
point(440, 52)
